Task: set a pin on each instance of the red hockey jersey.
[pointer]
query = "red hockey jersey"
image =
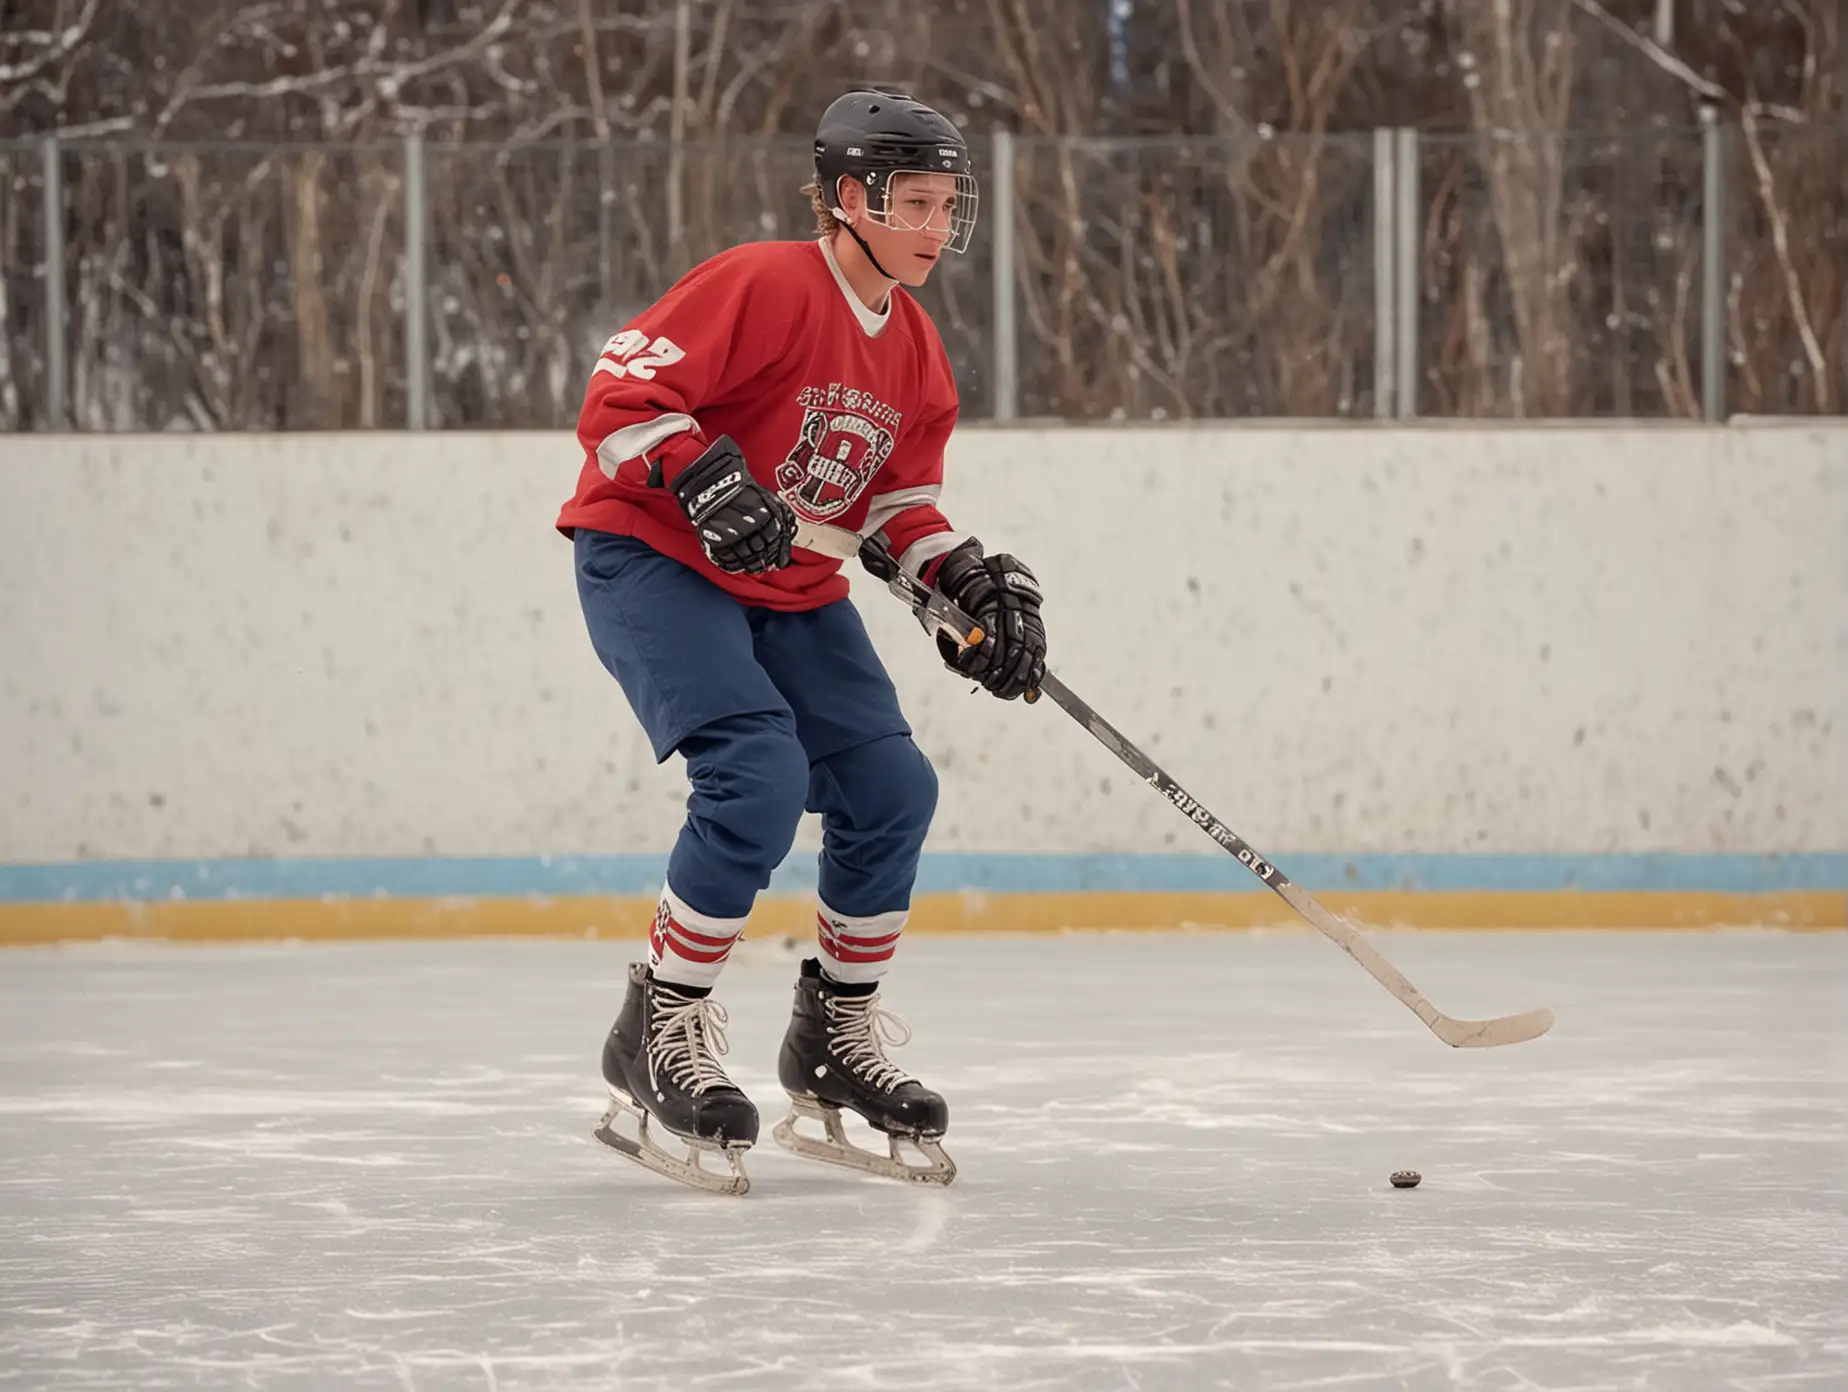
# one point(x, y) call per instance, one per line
point(842, 412)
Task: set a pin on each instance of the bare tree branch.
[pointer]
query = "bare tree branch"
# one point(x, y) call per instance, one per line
point(1654, 51)
point(1793, 290)
point(55, 46)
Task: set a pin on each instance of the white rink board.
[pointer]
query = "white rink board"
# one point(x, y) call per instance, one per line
point(1353, 640)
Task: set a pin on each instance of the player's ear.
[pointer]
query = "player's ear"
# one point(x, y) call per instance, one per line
point(852, 196)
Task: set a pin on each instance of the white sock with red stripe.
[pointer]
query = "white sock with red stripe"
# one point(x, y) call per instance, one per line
point(687, 947)
point(857, 951)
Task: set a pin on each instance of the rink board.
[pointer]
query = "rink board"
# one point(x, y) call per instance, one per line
point(614, 897)
point(1456, 637)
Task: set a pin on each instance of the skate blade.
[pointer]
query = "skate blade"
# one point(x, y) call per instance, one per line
point(643, 1149)
point(836, 1149)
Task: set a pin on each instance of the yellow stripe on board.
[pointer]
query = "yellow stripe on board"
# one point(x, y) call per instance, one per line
point(599, 917)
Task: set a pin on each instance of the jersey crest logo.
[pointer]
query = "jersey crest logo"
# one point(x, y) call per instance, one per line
point(833, 461)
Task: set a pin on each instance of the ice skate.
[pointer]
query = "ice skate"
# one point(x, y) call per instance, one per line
point(661, 1064)
point(833, 1056)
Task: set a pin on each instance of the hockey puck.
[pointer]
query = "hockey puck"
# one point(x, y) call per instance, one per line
point(1405, 1179)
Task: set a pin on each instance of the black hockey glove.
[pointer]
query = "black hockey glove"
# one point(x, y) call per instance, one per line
point(741, 525)
point(1001, 595)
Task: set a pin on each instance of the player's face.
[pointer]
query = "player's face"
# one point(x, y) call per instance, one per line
point(919, 220)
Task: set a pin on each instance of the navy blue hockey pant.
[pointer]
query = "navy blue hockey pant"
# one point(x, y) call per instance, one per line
point(775, 713)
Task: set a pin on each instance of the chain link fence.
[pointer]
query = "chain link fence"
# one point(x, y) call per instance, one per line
point(1651, 273)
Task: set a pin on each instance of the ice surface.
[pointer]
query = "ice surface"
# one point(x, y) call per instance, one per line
point(371, 1166)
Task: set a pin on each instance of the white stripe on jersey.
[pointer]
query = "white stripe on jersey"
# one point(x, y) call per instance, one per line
point(885, 506)
point(926, 549)
point(634, 441)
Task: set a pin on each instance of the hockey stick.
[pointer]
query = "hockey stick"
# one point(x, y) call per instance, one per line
point(934, 611)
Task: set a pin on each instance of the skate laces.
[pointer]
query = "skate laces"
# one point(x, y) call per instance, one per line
point(859, 1031)
point(689, 1036)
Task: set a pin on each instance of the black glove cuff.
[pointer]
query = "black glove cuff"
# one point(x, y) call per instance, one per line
point(963, 579)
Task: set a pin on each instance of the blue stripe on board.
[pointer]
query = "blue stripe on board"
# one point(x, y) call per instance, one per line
point(498, 877)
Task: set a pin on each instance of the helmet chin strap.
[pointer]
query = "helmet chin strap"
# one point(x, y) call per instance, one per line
point(861, 242)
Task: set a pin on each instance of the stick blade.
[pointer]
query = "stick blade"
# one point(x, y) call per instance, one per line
point(1492, 1034)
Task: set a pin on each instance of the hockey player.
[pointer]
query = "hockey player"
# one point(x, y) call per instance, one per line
point(782, 402)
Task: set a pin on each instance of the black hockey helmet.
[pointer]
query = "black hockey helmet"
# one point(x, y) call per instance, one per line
point(871, 134)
